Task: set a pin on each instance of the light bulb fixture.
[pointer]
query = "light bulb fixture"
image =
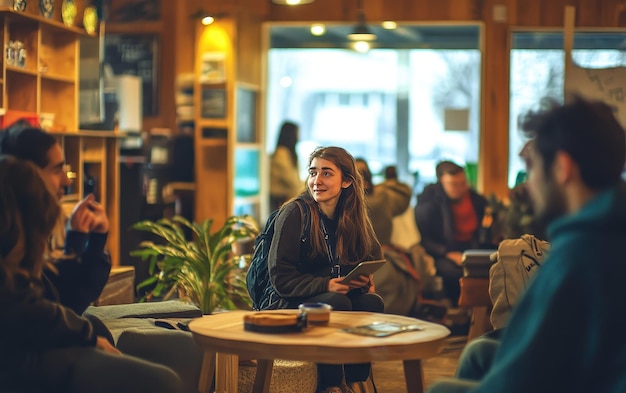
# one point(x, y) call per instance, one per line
point(361, 32)
point(389, 25)
point(292, 2)
point(361, 46)
point(318, 29)
point(206, 17)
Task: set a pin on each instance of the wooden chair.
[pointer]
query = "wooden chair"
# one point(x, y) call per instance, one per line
point(475, 296)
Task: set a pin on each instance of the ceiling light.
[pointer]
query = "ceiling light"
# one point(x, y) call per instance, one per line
point(318, 29)
point(205, 17)
point(361, 32)
point(292, 2)
point(389, 25)
point(361, 46)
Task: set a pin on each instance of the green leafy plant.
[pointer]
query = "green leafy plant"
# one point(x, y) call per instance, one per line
point(204, 269)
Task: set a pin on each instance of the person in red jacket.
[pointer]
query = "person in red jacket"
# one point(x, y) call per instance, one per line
point(449, 215)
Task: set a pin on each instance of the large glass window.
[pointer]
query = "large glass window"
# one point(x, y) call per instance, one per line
point(410, 105)
point(538, 73)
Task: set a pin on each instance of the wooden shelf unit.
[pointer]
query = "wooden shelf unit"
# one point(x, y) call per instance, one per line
point(47, 82)
point(236, 41)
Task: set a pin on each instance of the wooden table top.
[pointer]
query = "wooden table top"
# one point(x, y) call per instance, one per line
point(224, 332)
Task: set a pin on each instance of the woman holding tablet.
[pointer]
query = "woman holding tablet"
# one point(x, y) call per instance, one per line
point(309, 267)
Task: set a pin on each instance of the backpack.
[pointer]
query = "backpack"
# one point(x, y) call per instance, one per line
point(518, 260)
point(262, 293)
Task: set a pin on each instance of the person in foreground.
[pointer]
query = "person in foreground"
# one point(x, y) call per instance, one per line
point(45, 346)
point(82, 270)
point(341, 236)
point(567, 332)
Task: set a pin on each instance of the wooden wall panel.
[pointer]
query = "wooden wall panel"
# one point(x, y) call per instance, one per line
point(248, 48)
point(528, 13)
point(552, 13)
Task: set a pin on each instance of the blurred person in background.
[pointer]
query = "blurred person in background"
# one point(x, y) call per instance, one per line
point(285, 182)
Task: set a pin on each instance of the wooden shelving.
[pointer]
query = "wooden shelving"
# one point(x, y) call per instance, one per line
point(228, 151)
point(46, 81)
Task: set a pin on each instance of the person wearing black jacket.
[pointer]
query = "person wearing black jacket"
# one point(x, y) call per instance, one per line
point(449, 215)
point(80, 273)
point(341, 235)
point(45, 346)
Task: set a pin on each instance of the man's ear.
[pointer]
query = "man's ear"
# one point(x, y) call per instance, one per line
point(564, 169)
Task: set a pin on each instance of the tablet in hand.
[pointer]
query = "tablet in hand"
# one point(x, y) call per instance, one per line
point(364, 269)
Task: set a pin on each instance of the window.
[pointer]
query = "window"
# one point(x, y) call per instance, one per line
point(409, 102)
point(538, 72)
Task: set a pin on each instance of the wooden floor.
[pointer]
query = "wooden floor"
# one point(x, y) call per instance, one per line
point(389, 376)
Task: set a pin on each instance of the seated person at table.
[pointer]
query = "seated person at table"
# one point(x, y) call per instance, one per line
point(82, 270)
point(449, 215)
point(341, 236)
point(76, 278)
point(45, 346)
point(384, 201)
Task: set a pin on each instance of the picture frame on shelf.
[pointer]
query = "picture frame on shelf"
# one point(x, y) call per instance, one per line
point(213, 68)
point(213, 103)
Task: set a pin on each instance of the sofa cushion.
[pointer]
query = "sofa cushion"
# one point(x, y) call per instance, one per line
point(165, 309)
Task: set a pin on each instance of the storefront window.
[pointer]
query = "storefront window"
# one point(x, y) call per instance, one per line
point(538, 74)
point(409, 106)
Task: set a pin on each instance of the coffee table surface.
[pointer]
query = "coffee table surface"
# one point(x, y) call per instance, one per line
point(224, 332)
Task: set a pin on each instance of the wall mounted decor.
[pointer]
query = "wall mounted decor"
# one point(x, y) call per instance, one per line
point(68, 12)
point(19, 5)
point(47, 8)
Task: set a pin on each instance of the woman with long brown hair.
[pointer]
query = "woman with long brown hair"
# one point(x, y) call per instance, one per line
point(309, 269)
point(45, 346)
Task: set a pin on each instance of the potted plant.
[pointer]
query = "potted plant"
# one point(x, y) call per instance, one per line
point(203, 269)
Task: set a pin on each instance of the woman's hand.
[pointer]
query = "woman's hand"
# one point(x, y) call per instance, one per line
point(335, 285)
point(372, 288)
point(338, 286)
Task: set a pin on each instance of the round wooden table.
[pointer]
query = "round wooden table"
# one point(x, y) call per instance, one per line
point(224, 333)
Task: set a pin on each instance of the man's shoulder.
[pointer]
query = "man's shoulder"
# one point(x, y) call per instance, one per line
point(431, 192)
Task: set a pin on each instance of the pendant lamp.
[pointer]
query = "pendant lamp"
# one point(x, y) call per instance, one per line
point(361, 32)
point(292, 2)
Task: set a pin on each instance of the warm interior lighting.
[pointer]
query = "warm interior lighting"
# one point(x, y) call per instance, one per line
point(361, 46)
point(292, 2)
point(207, 20)
point(361, 32)
point(318, 29)
point(389, 25)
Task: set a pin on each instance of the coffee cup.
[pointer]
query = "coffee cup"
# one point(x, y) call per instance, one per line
point(316, 313)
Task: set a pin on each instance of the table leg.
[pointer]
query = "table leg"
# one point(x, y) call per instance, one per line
point(207, 372)
point(414, 376)
point(263, 375)
point(226, 373)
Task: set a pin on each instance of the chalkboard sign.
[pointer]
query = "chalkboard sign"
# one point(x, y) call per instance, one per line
point(129, 54)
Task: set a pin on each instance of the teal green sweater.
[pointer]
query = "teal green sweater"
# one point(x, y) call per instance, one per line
point(568, 334)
